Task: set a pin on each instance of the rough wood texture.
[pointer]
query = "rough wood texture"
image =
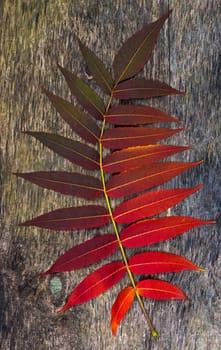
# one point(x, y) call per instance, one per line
point(34, 34)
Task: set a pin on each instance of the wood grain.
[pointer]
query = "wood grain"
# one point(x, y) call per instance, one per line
point(34, 35)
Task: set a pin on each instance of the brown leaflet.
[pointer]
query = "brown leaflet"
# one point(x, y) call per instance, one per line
point(141, 88)
point(73, 184)
point(135, 114)
point(140, 179)
point(79, 121)
point(74, 151)
point(72, 218)
point(124, 137)
point(137, 50)
point(132, 157)
point(98, 70)
point(84, 94)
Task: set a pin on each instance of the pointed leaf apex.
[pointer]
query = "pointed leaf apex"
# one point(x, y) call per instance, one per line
point(44, 274)
point(201, 269)
point(97, 68)
point(137, 50)
point(62, 309)
point(121, 306)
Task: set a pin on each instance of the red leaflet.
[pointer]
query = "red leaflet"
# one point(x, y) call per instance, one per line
point(155, 230)
point(99, 72)
point(133, 157)
point(72, 218)
point(160, 290)
point(137, 50)
point(142, 88)
point(134, 114)
point(123, 137)
point(159, 262)
point(121, 306)
point(79, 121)
point(73, 184)
point(150, 204)
point(76, 152)
point(140, 179)
point(84, 94)
point(84, 254)
point(96, 283)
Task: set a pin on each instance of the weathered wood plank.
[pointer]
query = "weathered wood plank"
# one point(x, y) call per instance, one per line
point(34, 34)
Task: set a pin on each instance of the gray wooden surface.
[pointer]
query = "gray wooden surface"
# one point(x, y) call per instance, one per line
point(34, 34)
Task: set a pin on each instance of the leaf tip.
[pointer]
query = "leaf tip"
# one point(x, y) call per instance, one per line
point(44, 274)
point(27, 132)
point(114, 328)
point(212, 222)
point(167, 14)
point(62, 309)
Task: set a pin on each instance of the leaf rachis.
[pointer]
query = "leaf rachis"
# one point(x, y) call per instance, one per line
point(123, 253)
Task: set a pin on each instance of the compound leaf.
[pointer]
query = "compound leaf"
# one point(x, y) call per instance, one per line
point(136, 160)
